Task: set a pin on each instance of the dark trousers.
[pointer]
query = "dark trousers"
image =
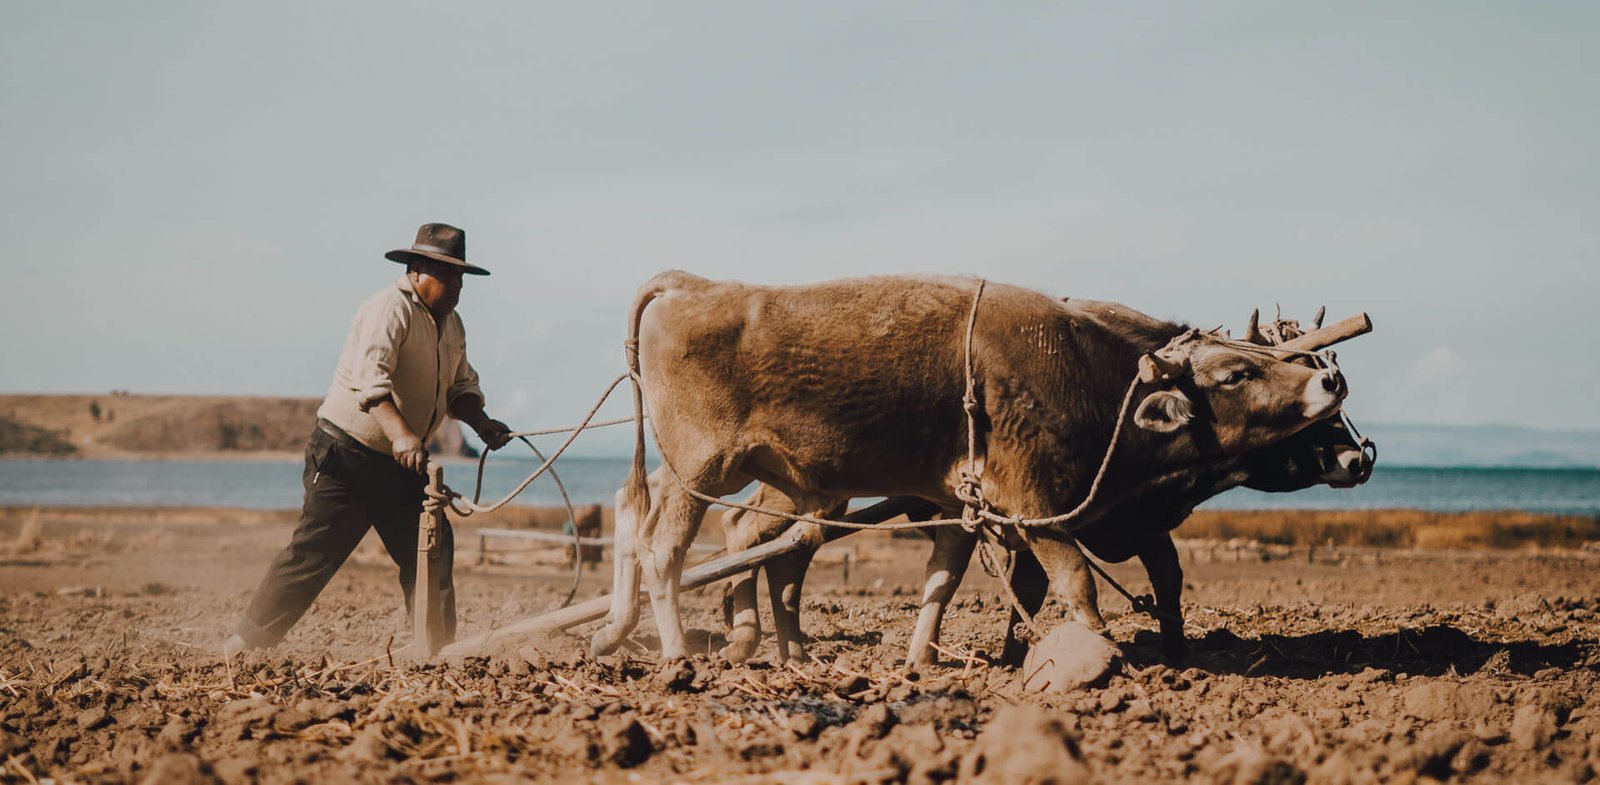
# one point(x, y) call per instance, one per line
point(349, 488)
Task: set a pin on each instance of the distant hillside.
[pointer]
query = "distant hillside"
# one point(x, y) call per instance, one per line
point(1484, 446)
point(24, 439)
point(121, 425)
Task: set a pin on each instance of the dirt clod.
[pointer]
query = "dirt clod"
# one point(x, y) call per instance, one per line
point(177, 733)
point(178, 769)
point(627, 743)
point(1532, 728)
point(93, 719)
point(1250, 765)
point(1024, 744)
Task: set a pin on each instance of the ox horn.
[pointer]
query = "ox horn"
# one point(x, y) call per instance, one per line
point(1155, 368)
point(1323, 337)
point(1252, 333)
point(1316, 323)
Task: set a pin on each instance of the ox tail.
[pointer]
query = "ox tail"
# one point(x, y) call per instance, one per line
point(637, 489)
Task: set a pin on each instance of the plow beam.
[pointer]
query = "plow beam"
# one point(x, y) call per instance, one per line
point(592, 610)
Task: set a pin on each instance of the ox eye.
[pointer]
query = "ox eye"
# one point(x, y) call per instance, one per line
point(1235, 377)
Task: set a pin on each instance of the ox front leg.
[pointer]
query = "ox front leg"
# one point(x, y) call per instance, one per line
point(952, 550)
point(669, 529)
point(744, 619)
point(1069, 573)
point(1160, 559)
point(1030, 584)
point(785, 578)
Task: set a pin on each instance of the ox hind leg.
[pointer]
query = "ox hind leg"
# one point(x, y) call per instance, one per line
point(786, 578)
point(744, 530)
point(624, 613)
point(662, 546)
point(952, 551)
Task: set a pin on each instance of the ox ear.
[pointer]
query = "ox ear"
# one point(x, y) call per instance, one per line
point(1164, 411)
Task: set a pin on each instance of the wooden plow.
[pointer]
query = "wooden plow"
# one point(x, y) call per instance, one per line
point(428, 634)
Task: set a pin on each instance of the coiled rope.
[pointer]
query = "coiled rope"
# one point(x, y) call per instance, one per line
point(435, 503)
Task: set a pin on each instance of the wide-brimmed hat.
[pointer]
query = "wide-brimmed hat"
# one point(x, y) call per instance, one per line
point(440, 243)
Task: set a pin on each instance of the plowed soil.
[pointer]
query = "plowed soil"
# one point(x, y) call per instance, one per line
point(1348, 666)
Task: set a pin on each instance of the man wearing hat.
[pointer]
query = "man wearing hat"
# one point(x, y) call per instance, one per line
point(403, 370)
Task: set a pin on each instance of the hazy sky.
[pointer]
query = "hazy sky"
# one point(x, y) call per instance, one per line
point(196, 196)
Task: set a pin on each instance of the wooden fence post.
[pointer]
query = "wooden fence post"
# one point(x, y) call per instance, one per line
point(427, 621)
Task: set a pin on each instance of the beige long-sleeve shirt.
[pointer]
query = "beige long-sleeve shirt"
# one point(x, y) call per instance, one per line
point(397, 349)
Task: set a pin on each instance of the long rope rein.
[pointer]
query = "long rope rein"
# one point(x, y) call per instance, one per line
point(448, 497)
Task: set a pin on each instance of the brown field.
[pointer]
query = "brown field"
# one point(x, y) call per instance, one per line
point(1450, 658)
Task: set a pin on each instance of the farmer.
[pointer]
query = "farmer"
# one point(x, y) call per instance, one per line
point(403, 368)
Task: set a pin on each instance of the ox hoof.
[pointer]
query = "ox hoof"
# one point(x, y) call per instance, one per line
point(605, 641)
point(793, 652)
point(1174, 650)
point(738, 651)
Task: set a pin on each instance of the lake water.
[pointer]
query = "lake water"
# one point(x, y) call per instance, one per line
point(275, 485)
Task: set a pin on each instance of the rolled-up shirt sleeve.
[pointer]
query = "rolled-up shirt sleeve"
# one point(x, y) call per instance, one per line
point(379, 337)
point(465, 383)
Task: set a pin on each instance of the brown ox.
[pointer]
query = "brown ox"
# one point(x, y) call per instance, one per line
point(854, 388)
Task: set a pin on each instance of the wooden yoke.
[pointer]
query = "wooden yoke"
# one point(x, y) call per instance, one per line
point(427, 604)
point(1323, 337)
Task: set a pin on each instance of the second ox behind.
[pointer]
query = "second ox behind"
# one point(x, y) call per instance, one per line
point(1138, 524)
point(1323, 454)
point(854, 388)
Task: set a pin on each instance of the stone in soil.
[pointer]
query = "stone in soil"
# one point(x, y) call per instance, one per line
point(1069, 657)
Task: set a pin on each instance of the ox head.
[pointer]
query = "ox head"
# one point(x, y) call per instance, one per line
point(1236, 395)
point(1325, 453)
